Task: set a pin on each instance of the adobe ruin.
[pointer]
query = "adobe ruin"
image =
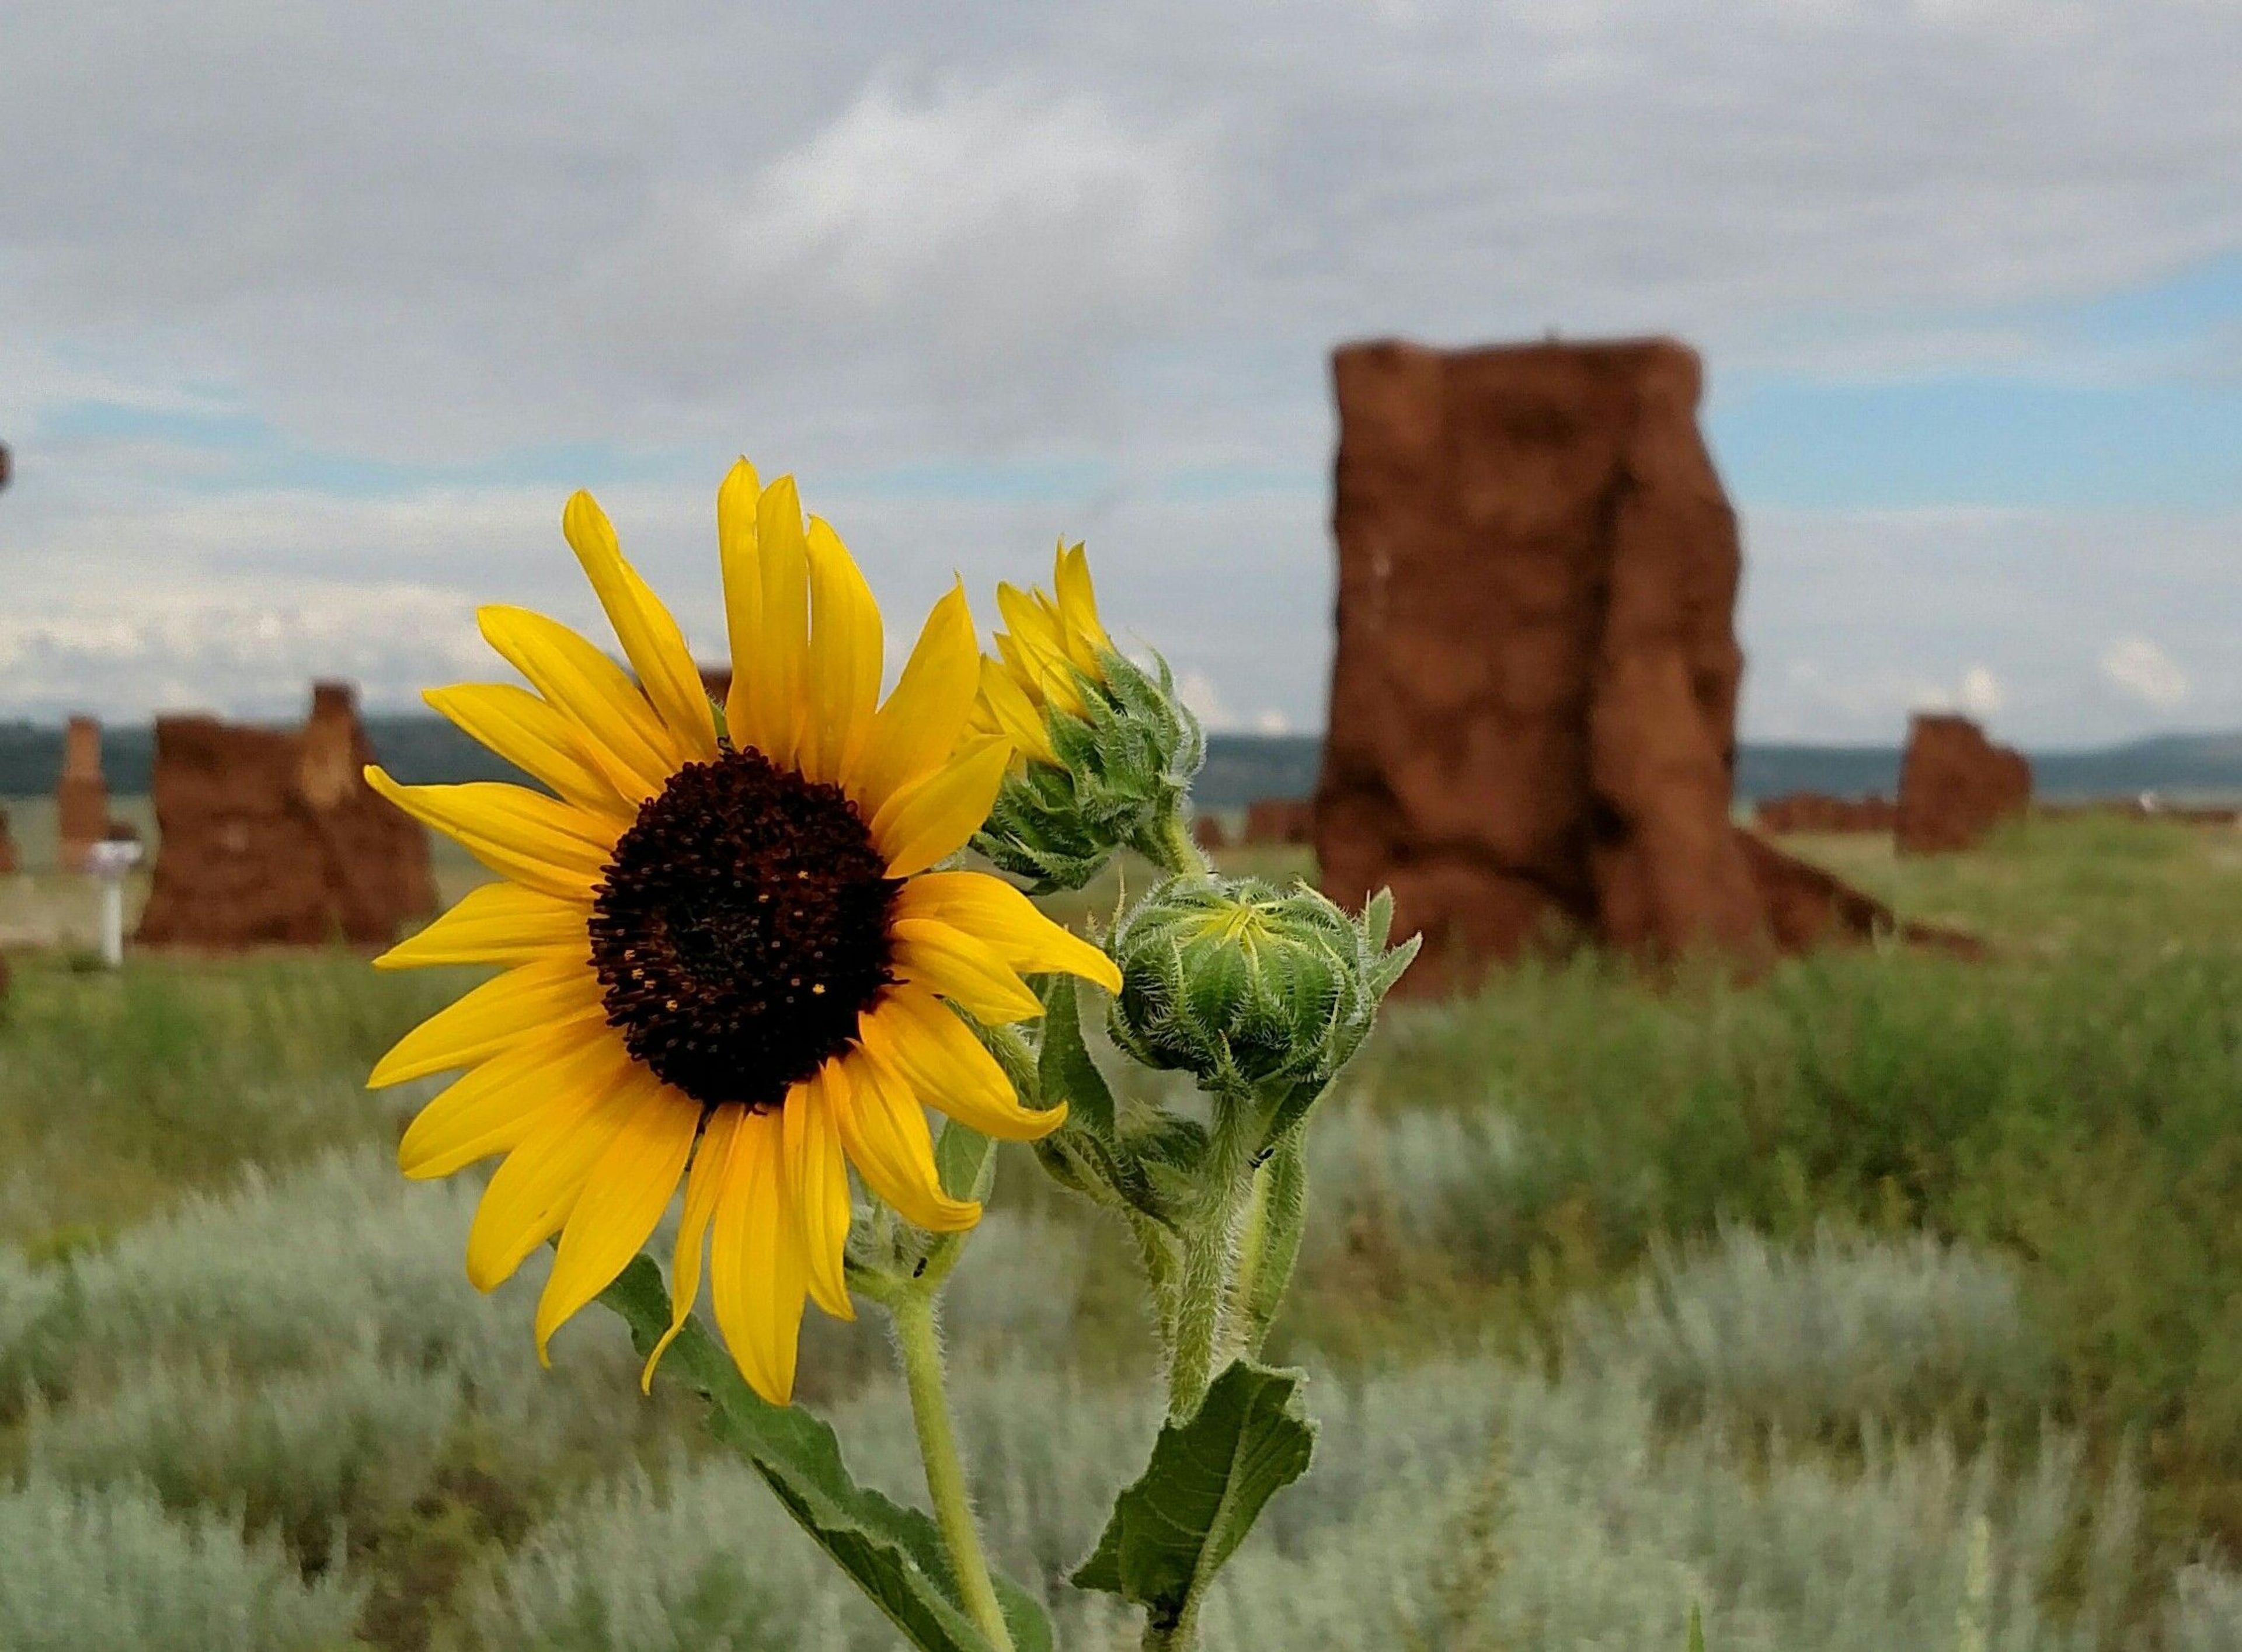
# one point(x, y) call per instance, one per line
point(271, 837)
point(1532, 733)
point(81, 795)
point(1955, 786)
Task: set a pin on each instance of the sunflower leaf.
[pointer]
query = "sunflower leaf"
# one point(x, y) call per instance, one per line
point(1209, 1478)
point(894, 1553)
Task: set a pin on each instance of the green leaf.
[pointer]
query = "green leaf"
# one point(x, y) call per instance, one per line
point(1023, 1616)
point(1067, 1072)
point(894, 1553)
point(966, 1161)
point(1697, 1628)
point(1207, 1482)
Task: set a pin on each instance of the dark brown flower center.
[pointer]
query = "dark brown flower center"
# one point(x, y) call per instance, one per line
point(741, 930)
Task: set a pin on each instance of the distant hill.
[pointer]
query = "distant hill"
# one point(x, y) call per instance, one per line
point(1240, 767)
point(416, 747)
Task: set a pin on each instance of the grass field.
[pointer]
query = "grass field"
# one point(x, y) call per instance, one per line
point(1891, 1302)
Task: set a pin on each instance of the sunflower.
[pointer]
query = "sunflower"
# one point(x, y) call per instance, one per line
point(727, 958)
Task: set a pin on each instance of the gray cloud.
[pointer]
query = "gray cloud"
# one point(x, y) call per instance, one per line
point(863, 241)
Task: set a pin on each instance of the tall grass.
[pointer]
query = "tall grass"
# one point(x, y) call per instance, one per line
point(2076, 1112)
point(116, 1091)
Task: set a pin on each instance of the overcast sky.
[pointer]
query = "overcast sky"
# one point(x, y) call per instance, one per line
point(311, 316)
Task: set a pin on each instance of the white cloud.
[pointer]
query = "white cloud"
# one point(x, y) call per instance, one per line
point(1019, 189)
point(1980, 692)
point(251, 652)
point(1197, 691)
point(1849, 620)
point(2136, 667)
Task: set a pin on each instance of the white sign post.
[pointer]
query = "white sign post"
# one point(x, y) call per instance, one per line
point(110, 860)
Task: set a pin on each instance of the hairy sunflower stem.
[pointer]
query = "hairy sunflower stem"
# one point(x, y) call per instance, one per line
point(918, 1344)
point(1172, 851)
point(1210, 1256)
point(1253, 1251)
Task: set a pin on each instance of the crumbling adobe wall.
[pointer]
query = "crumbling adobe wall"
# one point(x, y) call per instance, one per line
point(1280, 820)
point(81, 795)
point(1817, 811)
point(269, 837)
point(1533, 710)
point(1955, 786)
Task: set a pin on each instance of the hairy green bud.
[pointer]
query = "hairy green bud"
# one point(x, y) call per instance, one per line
point(1249, 987)
point(1110, 776)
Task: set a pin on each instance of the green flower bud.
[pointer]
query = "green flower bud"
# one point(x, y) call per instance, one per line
point(1249, 987)
point(1106, 750)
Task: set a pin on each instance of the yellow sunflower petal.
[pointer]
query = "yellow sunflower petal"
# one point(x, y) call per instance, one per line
point(757, 1273)
point(1077, 608)
point(1039, 677)
point(495, 1107)
point(624, 1196)
point(845, 657)
point(494, 1015)
point(933, 817)
point(495, 923)
point(534, 1190)
point(621, 729)
point(817, 1184)
point(736, 501)
point(883, 1131)
point(539, 739)
point(651, 636)
point(1007, 920)
point(537, 841)
point(944, 959)
point(919, 725)
point(710, 1161)
point(768, 680)
point(937, 1055)
point(1012, 715)
point(1035, 626)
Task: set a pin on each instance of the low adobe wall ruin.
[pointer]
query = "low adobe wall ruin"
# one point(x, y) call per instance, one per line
point(271, 837)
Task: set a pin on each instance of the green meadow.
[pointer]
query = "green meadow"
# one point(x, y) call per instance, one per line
point(1892, 1301)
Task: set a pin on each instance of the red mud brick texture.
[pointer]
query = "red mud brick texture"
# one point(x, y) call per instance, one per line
point(1532, 712)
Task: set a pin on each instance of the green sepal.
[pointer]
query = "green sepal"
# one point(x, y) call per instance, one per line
point(1208, 1481)
point(1124, 766)
point(894, 1553)
point(1697, 1628)
point(1063, 1067)
point(965, 1160)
